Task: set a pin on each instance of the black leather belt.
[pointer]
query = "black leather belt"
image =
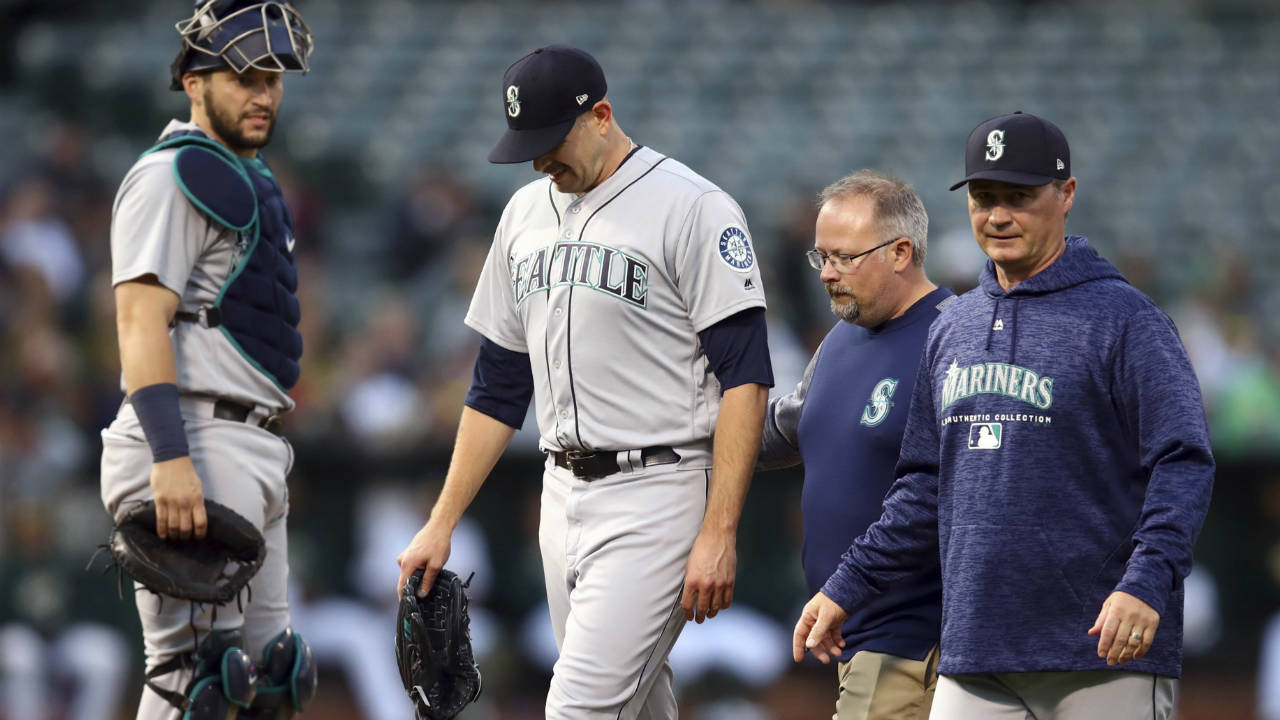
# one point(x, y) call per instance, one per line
point(595, 465)
point(225, 409)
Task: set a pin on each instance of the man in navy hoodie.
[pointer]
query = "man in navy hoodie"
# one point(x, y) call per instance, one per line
point(844, 421)
point(1056, 459)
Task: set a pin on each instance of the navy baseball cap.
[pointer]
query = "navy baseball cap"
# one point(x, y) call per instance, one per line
point(1020, 149)
point(542, 94)
point(239, 34)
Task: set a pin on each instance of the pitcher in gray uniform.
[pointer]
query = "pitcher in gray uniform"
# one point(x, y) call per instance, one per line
point(202, 264)
point(622, 292)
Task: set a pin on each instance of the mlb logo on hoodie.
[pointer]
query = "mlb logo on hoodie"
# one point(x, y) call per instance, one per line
point(984, 436)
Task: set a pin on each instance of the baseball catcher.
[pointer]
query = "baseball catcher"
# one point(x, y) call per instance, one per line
point(433, 647)
point(206, 297)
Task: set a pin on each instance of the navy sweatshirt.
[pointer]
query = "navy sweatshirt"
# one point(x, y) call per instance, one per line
point(1056, 450)
point(844, 422)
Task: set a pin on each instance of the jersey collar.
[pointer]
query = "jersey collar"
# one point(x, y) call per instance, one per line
point(637, 162)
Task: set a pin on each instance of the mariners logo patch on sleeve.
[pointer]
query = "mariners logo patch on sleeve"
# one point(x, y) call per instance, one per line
point(735, 249)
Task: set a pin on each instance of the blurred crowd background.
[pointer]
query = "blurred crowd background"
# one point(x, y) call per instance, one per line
point(1172, 109)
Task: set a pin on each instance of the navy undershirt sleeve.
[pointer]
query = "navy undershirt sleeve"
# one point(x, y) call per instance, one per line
point(738, 349)
point(501, 384)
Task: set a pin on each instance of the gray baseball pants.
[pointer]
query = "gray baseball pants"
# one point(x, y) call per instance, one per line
point(614, 553)
point(1081, 695)
point(241, 466)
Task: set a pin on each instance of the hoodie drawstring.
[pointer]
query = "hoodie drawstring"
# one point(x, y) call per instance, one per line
point(991, 326)
point(1013, 349)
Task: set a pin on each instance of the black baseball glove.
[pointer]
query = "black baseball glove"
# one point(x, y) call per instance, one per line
point(211, 570)
point(433, 647)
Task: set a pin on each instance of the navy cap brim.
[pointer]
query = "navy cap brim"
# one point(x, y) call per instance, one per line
point(1008, 176)
point(517, 146)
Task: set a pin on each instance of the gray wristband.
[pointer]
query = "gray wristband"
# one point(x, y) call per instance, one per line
point(157, 410)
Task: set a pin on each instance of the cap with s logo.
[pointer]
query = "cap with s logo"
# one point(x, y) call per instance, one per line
point(542, 94)
point(1020, 149)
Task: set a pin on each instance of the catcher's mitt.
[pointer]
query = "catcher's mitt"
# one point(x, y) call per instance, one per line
point(212, 570)
point(433, 647)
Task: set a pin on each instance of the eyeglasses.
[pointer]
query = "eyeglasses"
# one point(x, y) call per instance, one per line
point(842, 262)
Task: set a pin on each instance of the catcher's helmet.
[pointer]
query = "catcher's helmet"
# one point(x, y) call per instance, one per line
point(240, 34)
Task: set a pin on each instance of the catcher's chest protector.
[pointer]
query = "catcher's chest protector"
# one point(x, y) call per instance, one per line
point(258, 307)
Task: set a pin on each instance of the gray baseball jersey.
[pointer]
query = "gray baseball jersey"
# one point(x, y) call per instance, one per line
point(607, 292)
point(156, 230)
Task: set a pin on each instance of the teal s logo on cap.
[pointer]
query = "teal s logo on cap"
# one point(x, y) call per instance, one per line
point(1018, 149)
point(995, 145)
point(558, 83)
point(513, 100)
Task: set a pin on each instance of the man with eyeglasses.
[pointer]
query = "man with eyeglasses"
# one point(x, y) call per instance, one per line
point(1056, 459)
point(845, 420)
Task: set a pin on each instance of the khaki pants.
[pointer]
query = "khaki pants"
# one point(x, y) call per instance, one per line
point(1082, 695)
point(878, 686)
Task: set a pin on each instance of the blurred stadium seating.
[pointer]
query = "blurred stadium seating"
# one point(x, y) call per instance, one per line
point(1169, 110)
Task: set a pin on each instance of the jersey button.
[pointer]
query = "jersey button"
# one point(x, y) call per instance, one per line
point(556, 364)
point(559, 312)
point(576, 209)
point(568, 234)
point(564, 414)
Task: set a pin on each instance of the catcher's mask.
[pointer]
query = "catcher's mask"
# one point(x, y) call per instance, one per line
point(242, 34)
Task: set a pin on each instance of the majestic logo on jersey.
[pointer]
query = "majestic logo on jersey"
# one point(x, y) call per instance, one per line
point(735, 249)
point(878, 406)
point(995, 145)
point(513, 100)
point(985, 436)
point(599, 267)
point(1012, 381)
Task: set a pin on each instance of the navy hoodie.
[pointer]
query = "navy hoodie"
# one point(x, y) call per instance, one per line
point(1055, 451)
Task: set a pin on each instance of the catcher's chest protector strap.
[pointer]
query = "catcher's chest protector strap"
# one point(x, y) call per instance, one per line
point(224, 679)
point(288, 675)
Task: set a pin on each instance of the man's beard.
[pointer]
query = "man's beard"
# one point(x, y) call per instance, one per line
point(226, 127)
point(847, 312)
